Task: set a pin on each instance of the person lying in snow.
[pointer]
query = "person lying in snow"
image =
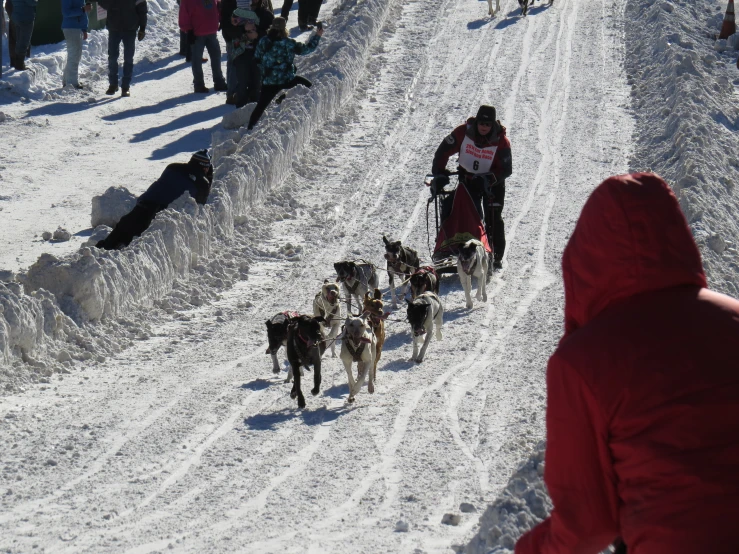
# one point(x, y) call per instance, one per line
point(643, 389)
point(194, 177)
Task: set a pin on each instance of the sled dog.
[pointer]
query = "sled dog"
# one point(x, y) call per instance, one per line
point(473, 261)
point(424, 313)
point(326, 304)
point(277, 335)
point(425, 279)
point(402, 261)
point(358, 344)
point(305, 346)
point(373, 309)
point(357, 279)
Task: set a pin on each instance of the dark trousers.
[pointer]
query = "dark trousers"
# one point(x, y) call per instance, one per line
point(268, 92)
point(184, 45)
point(129, 47)
point(131, 225)
point(248, 79)
point(307, 11)
point(214, 50)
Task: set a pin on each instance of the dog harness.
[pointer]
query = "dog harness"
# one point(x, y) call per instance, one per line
point(472, 267)
point(356, 353)
point(328, 316)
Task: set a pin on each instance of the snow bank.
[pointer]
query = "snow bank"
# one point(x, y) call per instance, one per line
point(175, 258)
point(688, 120)
point(523, 503)
point(111, 206)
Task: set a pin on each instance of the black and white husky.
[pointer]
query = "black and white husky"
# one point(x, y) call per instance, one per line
point(473, 260)
point(358, 279)
point(424, 312)
point(326, 304)
point(402, 262)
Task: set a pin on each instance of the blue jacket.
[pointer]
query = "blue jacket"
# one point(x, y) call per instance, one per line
point(176, 179)
point(275, 57)
point(73, 15)
point(24, 11)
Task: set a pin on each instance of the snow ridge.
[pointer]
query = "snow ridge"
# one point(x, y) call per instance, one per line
point(93, 286)
point(523, 504)
point(688, 121)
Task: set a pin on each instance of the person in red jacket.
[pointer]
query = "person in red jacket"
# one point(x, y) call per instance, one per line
point(643, 389)
point(200, 20)
point(484, 165)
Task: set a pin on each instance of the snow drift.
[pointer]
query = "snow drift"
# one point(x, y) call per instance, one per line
point(523, 504)
point(92, 286)
point(688, 121)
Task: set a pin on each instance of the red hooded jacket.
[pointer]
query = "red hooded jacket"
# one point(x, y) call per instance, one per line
point(200, 16)
point(643, 390)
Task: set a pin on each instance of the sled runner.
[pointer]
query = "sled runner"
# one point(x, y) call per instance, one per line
point(457, 221)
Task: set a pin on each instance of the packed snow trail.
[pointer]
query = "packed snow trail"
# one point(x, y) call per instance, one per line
point(188, 442)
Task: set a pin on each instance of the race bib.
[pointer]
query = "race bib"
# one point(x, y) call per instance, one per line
point(475, 159)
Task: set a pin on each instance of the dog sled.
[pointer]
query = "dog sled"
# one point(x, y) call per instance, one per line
point(457, 221)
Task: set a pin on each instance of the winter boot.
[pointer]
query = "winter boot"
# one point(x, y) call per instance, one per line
point(202, 89)
point(125, 92)
point(19, 63)
point(221, 87)
point(112, 89)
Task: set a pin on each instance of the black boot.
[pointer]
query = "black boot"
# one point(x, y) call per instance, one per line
point(112, 89)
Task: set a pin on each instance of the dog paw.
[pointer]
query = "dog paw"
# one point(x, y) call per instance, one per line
point(301, 403)
point(469, 305)
point(419, 360)
point(484, 297)
point(350, 400)
point(371, 388)
point(293, 394)
point(315, 391)
point(275, 370)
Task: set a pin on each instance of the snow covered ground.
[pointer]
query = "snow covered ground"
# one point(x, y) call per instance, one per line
point(155, 422)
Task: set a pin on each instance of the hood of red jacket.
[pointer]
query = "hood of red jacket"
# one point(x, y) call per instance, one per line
point(631, 238)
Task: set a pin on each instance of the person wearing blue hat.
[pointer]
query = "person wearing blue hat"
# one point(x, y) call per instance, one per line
point(194, 177)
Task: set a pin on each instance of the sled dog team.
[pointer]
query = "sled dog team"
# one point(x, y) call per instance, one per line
point(362, 336)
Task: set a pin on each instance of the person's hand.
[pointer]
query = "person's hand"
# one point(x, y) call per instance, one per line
point(142, 34)
point(88, 8)
point(84, 35)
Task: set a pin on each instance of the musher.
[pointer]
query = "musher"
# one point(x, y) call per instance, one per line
point(484, 164)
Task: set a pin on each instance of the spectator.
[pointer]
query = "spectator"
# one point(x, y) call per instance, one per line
point(194, 177)
point(2, 32)
point(74, 27)
point(230, 33)
point(199, 19)
point(275, 54)
point(643, 389)
point(252, 25)
point(307, 12)
point(126, 21)
point(22, 18)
